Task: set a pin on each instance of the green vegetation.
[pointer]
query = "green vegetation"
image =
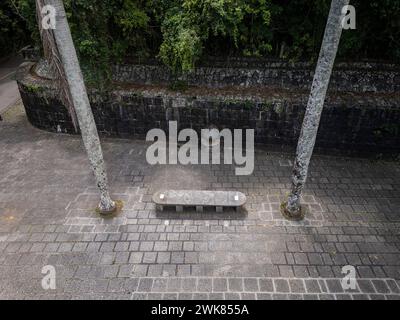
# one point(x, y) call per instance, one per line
point(32, 88)
point(181, 32)
point(178, 85)
point(387, 130)
point(191, 27)
point(13, 29)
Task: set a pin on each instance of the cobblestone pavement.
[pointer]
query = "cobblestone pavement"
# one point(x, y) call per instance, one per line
point(47, 217)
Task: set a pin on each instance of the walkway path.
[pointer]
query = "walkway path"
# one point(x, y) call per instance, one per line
point(47, 217)
point(9, 93)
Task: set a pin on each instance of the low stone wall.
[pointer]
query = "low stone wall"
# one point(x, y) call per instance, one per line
point(350, 121)
point(346, 77)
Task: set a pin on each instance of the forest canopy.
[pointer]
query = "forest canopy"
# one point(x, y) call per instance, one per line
point(180, 33)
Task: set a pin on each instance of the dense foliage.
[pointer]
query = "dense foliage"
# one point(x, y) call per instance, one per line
point(190, 26)
point(13, 33)
point(181, 32)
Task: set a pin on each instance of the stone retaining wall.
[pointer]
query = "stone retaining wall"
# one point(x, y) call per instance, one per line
point(350, 121)
point(355, 77)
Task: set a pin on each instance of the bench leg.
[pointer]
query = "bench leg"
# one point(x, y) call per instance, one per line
point(159, 207)
point(219, 209)
point(238, 209)
point(179, 208)
point(199, 208)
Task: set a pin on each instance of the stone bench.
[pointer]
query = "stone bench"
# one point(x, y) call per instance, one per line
point(199, 199)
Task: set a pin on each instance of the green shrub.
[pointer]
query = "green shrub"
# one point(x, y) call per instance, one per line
point(192, 25)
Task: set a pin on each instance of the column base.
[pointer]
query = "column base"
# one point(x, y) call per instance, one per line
point(297, 215)
point(118, 205)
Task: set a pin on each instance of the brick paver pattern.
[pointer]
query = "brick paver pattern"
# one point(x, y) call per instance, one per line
point(47, 217)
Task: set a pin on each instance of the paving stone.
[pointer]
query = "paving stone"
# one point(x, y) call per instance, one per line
point(235, 284)
point(286, 271)
point(216, 296)
point(154, 296)
point(144, 254)
point(155, 270)
point(163, 257)
point(177, 257)
point(251, 284)
point(183, 270)
point(343, 297)
point(300, 272)
point(312, 286)
point(279, 296)
point(139, 270)
point(365, 286)
point(131, 284)
point(295, 297)
point(136, 257)
point(264, 296)
point(139, 296)
point(116, 285)
point(170, 296)
point(301, 258)
point(121, 257)
point(169, 270)
point(334, 286)
point(174, 284)
point(360, 297)
point(200, 296)
point(204, 285)
point(111, 271)
point(160, 284)
point(377, 297)
point(281, 285)
point(296, 286)
point(326, 297)
point(381, 286)
point(248, 296)
point(121, 246)
point(149, 257)
point(231, 296)
point(394, 287)
point(266, 285)
point(189, 284)
point(220, 285)
point(185, 296)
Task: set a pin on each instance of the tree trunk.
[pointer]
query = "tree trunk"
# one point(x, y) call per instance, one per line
point(305, 146)
point(73, 74)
